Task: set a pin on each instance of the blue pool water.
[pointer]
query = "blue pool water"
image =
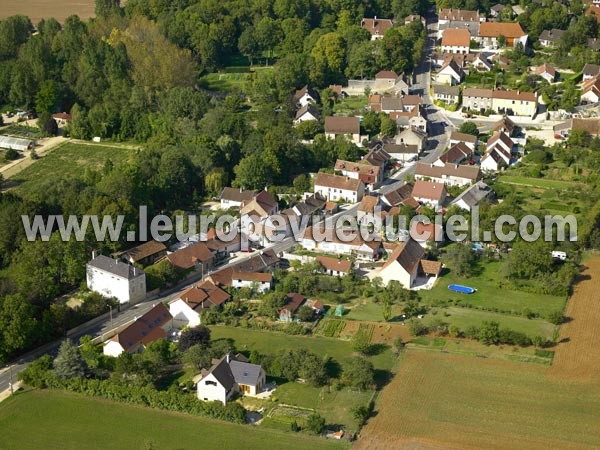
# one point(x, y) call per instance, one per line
point(477, 247)
point(462, 289)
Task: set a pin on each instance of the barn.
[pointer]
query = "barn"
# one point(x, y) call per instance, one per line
point(14, 143)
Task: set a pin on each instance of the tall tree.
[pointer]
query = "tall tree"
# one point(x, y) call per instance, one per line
point(68, 362)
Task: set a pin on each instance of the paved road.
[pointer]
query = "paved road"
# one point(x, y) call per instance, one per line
point(437, 142)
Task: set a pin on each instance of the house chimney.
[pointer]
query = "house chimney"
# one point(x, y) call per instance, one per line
point(94, 254)
point(227, 358)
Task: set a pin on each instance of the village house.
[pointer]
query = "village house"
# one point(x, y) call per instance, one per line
point(482, 64)
point(113, 278)
point(450, 74)
point(336, 267)
point(293, 303)
point(255, 216)
point(144, 254)
point(589, 126)
point(261, 281)
point(377, 156)
point(307, 113)
point(377, 27)
point(551, 38)
point(187, 308)
point(370, 175)
point(234, 197)
point(496, 10)
point(450, 95)
point(458, 18)
point(369, 211)
point(429, 193)
point(262, 261)
point(385, 82)
point(494, 160)
point(402, 152)
point(195, 258)
point(591, 91)
point(338, 188)
point(62, 119)
point(590, 71)
point(447, 173)
point(153, 325)
point(457, 154)
point(489, 32)
point(398, 196)
point(468, 139)
point(473, 195)
point(352, 244)
point(347, 127)
point(229, 376)
point(501, 140)
point(477, 99)
point(547, 72)
point(456, 40)
point(412, 136)
point(501, 101)
point(305, 96)
point(406, 263)
point(506, 125)
point(221, 248)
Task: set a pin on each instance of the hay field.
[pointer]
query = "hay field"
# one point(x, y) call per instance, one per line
point(439, 400)
point(577, 357)
point(44, 9)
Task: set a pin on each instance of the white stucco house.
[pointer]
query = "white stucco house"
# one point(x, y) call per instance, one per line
point(230, 375)
point(113, 278)
point(187, 308)
point(261, 281)
point(406, 263)
point(338, 188)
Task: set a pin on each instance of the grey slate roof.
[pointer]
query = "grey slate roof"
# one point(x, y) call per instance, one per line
point(222, 373)
point(119, 269)
point(245, 373)
point(474, 194)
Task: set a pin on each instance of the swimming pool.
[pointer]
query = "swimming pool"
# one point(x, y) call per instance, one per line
point(462, 289)
point(477, 247)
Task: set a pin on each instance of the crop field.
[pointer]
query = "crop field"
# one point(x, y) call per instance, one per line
point(44, 9)
point(67, 160)
point(441, 400)
point(577, 357)
point(43, 420)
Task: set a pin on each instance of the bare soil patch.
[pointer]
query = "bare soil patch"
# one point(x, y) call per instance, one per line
point(577, 357)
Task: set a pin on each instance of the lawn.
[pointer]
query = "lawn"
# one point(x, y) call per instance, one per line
point(543, 183)
point(54, 419)
point(492, 294)
point(334, 405)
point(353, 105)
point(67, 160)
point(269, 342)
point(451, 401)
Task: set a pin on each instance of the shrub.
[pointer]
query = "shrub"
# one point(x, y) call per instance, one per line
point(416, 327)
point(315, 423)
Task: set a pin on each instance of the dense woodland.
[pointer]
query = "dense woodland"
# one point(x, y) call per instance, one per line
point(132, 74)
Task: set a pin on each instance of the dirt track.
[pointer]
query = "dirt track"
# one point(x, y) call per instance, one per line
point(577, 357)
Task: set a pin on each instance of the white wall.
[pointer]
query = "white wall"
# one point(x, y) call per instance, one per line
point(183, 315)
point(112, 348)
point(209, 392)
point(110, 285)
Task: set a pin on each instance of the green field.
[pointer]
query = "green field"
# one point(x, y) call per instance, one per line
point(543, 183)
point(67, 160)
point(57, 420)
point(491, 293)
point(354, 105)
point(463, 402)
point(269, 342)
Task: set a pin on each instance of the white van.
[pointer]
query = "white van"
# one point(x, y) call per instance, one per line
point(559, 255)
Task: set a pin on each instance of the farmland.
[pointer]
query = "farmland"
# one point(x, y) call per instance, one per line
point(44, 9)
point(578, 354)
point(445, 400)
point(52, 419)
point(67, 160)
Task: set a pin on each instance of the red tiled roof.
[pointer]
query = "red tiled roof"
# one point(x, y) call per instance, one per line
point(335, 264)
point(145, 329)
point(456, 37)
point(204, 295)
point(187, 257)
